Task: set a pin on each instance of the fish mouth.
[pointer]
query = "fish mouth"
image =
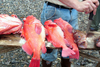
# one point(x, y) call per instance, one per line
point(82, 45)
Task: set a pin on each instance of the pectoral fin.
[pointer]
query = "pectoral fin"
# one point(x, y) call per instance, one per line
point(27, 48)
point(38, 28)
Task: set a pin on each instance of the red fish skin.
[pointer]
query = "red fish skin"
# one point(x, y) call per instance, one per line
point(9, 24)
point(56, 37)
point(64, 23)
point(68, 35)
point(34, 34)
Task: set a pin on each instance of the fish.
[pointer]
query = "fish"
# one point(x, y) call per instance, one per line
point(55, 35)
point(10, 24)
point(68, 35)
point(34, 33)
point(80, 38)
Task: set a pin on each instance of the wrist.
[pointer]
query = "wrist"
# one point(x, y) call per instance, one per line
point(76, 5)
point(70, 3)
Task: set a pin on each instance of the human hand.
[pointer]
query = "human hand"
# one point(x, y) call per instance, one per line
point(87, 6)
point(96, 3)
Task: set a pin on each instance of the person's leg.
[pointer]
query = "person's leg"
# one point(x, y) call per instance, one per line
point(65, 62)
point(44, 63)
point(48, 57)
point(74, 19)
point(51, 55)
point(47, 13)
point(47, 63)
point(96, 20)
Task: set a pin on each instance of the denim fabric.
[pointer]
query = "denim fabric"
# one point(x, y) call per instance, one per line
point(51, 13)
point(50, 56)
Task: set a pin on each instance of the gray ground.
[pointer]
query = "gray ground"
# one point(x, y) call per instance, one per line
point(23, 8)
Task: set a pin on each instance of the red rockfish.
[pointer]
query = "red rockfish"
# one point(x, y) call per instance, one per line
point(55, 35)
point(9, 24)
point(34, 33)
point(68, 35)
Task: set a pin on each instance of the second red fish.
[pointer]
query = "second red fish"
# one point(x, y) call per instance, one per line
point(55, 35)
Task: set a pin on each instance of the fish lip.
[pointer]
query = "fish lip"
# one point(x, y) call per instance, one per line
point(82, 45)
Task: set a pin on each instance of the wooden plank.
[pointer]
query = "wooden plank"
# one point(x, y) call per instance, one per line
point(91, 37)
point(16, 40)
point(84, 55)
point(11, 40)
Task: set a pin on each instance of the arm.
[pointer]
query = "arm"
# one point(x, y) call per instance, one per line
point(84, 6)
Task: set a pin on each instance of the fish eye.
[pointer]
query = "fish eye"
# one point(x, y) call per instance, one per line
point(79, 36)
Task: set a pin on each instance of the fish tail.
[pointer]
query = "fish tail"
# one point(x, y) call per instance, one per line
point(67, 52)
point(34, 63)
point(76, 55)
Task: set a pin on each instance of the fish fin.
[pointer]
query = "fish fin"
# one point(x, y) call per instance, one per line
point(44, 50)
point(27, 48)
point(34, 63)
point(38, 28)
point(67, 52)
point(67, 43)
point(75, 56)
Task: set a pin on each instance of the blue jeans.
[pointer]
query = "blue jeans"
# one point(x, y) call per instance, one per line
point(51, 13)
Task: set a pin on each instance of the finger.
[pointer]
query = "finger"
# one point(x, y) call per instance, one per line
point(94, 11)
point(90, 8)
point(86, 8)
point(94, 8)
point(87, 11)
point(96, 2)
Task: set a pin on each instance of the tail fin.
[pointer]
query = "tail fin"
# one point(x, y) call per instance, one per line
point(75, 56)
point(67, 52)
point(34, 63)
point(76, 50)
